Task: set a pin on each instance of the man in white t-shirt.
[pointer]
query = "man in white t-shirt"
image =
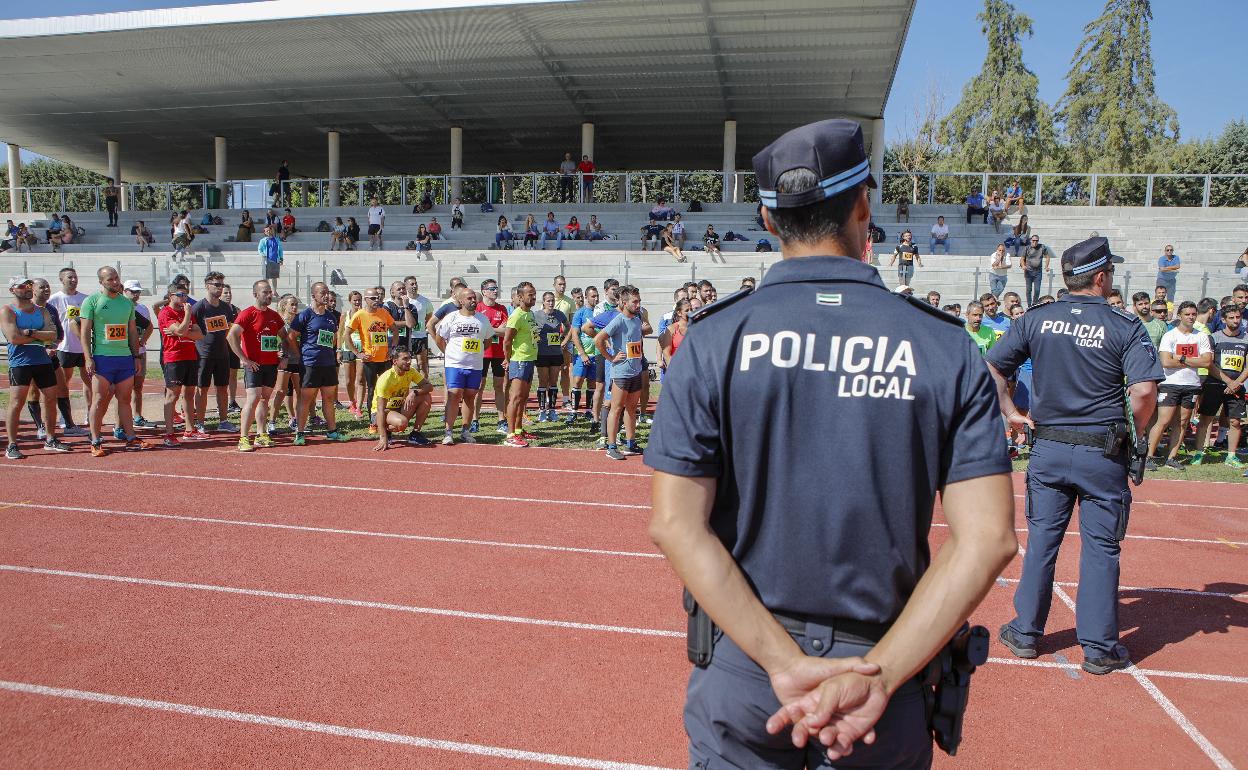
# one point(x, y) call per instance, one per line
point(940, 236)
point(376, 224)
point(422, 311)
point(66, 303)
point(999, 263)
point(1183, 350)
point(462, 336)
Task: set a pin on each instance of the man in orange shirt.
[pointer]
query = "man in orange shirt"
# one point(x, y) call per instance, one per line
point(373, 323)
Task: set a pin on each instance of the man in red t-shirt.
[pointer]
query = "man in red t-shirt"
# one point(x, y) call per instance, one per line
point(257, 337)
point(492, 361)
point(179, 359)
point(586, 167)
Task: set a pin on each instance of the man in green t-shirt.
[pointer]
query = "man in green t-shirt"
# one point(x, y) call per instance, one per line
point(984, 337)
point(110, 346)
point(1157, 326)
point(520, 349)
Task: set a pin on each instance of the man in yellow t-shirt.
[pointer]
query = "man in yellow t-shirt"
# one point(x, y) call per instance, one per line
point(373, 324)
point(403, 396)
point(520, 348)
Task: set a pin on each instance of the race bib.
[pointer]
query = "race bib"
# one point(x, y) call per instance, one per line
point(394, 403)
point(115, 332)
point(472, 345)
point(269, 343)
point(553, 338)
point(632, 350)
point(1231, 361)
point(1189, 349)
point(217, 323)
point(72, 312)
point(378, 339)
point(999, 333)
point(325, 338)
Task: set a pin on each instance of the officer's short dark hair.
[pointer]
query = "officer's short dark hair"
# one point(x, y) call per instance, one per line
point(1079, 282)
point(816, 221)
point(1184, 305)
point(1140, 296)
point(1206, 305)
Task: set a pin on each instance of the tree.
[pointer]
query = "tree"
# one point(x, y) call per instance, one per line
point(45, 172)
point(1001, 124)
point(919, 151)
point(1112, 117)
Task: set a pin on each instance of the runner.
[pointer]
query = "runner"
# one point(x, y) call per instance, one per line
point(68, 303)
point(1224, 387)
point(317, 326)
point(404, 319)
point(373, 324)
point(625, 333)
point(404, 398)
point(29, 329)
point(585, 362)
point(671, 337)
point(422, 312)
point(227, 296)
point(520, 348)
point(567, 305)
point(142, 322)
point(179, 359)
point(492, 361)
point(34, 396)
point(289, 371)
point(110, 344)
point(461, 336)
point(256, 338)
point(348, 343)
point(1182, 351)
point(214, 316)
point(551, 326)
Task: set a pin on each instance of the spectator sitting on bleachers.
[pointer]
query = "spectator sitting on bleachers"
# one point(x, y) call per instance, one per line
point(504, 237)
point(551, 231)
point(678, 231)
point(670, 245)
point(940, 236)
point(662, 212)
point(426, 200)
point(758, 217)
point(353, 233)
point(903, 210)
point(288, 225)
point(64, 235)
point(711, 240)
point(338, 235)
point(651, 233)
point(1013, 195)
point(530, 232)
point(245, 228)
point(271, 218)
point(1241, 264)
point(25, 237)
point(435, 229)
point(10, 237)
point(457, 215)
point(424, 240)
point(996, 210)
point(975, 207)
point(53, 227)
point(596, 232)
point(1018, 239)
point(573, 228)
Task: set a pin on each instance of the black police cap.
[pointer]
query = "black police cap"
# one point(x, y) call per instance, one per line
point(832, 149)
point(1088, 257)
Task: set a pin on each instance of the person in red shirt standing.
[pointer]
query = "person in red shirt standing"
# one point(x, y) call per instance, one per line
point(256, 338)
point(586, 167)
point(179, 359)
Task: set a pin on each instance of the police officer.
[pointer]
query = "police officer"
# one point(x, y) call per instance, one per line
point(1082, 349)
point(798, 451)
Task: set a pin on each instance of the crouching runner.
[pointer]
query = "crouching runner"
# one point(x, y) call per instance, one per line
point(403, 397)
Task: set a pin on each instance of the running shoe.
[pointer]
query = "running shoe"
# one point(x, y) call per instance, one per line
point(76, 431)
point(137, 444)
point(589, 415)
point(293, 425)
point(271, 427)
point(263, 440)
point(372, 430)
point(300, 440)
point(466, 438)
point(1174, 465)
point(201, 434)
point(448, 439)
point(476, 426)
point(502, 426)
point(334, 435)
point(643, 420)
point(227, 426)
point(614, 453)
point(41, 434)
point(524, 434)
point(595, 426)
point(52, 445)
point(119, 434)
point(1197, 459)
point(631, 448)
point(13, 453)
point(1151, 465)
point(418, 439)
point(233, 408)
point(97, 449)
point(141, 422)
point(602, 443)
point(244, 444)
point(571, 419)
point(338, 405)
point(1233, 461)
point(318, 422)
point(178, 417)
point(515, 441)
point(170, 441)
point(541, 415)
point(355, 412)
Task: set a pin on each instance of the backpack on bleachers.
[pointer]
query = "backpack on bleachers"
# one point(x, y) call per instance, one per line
point(324, 227)
point(337, 277)
point(207, 220)
point(762, 245)
point(218, 221)
point(695, 207)
point(411, 246)
point(487, 208)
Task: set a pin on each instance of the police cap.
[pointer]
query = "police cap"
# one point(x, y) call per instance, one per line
point(831, 149)
point(1087, 257)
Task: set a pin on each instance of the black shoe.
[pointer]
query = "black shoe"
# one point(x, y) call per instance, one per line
point(1151, 465)
point(1016, 643)
point(1100, 666)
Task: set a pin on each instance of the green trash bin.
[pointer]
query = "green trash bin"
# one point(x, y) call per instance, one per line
point(496, 190)
point(214, 198)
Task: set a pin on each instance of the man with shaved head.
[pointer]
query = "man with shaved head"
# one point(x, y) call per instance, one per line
point(110, 348)
point(315, 333)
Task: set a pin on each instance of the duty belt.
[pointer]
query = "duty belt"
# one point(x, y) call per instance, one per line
point(843, 629)
point(1076, 437)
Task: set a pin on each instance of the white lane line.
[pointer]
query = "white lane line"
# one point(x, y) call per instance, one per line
point(340, 488)
point(335, 531)
point(1066, 664)
point(1176, 505)
point(1164, 538)
point(445, 464)
point(1183, 591)
point(338, 731)
point(345, 602)
point(1166, 704)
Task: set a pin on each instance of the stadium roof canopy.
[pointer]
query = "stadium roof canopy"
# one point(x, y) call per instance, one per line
point(656, 77)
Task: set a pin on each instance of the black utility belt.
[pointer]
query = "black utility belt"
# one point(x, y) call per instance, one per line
point(1110, 439)
point(843, 629)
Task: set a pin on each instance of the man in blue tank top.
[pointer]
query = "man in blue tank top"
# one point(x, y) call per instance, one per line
point(28, 328)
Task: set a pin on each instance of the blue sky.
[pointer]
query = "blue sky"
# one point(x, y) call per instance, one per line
point(1194, 69)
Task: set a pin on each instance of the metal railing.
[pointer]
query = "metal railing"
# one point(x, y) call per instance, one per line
point(1071, 189)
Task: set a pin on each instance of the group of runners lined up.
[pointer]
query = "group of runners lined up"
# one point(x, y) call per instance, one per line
point(585, 349)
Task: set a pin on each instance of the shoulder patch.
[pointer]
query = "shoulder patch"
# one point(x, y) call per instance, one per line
point(1126, 315)
point(935, 311)
point(719, 304)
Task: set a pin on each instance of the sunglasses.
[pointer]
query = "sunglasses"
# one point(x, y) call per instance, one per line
point(373, 298)
point(490, 288)
point(1158, 310)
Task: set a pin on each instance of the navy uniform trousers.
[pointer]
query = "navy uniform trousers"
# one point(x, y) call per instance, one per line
point(729, 701)
point(1057, 475)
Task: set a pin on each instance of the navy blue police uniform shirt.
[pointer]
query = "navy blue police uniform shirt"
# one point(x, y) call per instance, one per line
point(830, 411)
point(1082, 350)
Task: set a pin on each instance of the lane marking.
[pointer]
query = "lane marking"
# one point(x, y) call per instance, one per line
point(338, 731)
point(336, 531)
point(1228, 542)
point(154, 475)
point(1163, 538)
point(346, 602)
point(1183, 591)
point(447, 464)
point(17, 504)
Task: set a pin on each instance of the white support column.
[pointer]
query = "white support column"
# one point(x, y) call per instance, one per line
point(730, 161)
point(114, 171)
point(15, 179)
point(218, 147)
point(334, 170)
point(877, 161)
point(457, 162)
point(587, 140)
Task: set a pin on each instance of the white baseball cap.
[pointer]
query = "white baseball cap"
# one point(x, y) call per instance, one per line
point(132, 286)
point(18, 280)
point(904, 289)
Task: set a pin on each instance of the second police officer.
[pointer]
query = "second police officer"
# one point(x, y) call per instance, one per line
point(804, 434)
point(1083, 352)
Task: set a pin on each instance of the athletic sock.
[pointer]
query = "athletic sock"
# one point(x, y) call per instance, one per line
point(541, 399)
point(33, 408)
point(62, 404)
point(576, 401)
